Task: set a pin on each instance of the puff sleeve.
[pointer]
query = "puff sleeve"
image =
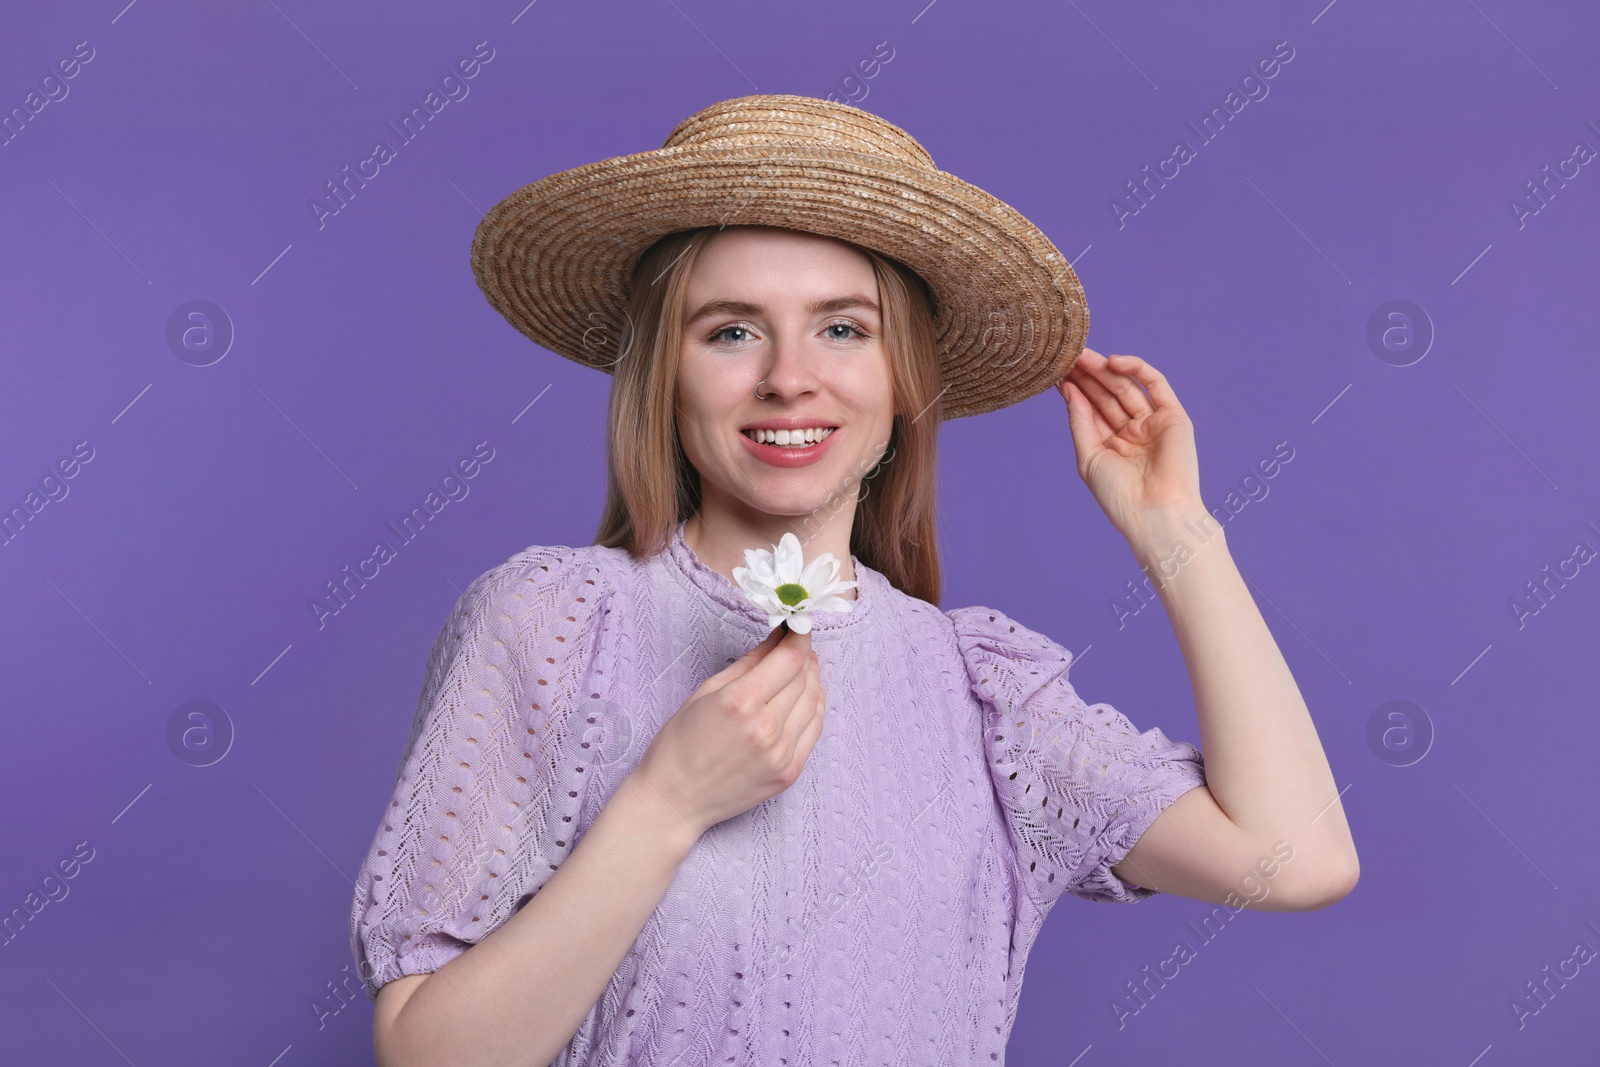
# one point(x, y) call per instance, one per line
point(1077, 783)
point(486, 797)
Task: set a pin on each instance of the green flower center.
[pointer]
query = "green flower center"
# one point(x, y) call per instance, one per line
point(790, 593)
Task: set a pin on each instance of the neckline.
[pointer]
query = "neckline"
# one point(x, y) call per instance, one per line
point(718, 588)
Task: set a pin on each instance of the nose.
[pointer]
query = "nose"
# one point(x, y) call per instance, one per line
point(788, 373)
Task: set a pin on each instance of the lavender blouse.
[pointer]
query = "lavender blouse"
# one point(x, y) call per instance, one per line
point(879, 911)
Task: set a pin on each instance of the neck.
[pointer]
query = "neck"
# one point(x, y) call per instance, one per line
point(719, 537)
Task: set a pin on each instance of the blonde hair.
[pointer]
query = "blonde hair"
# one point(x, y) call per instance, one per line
point(652, 486)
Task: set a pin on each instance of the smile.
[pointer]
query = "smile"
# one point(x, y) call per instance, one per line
point(801, 449)
point(789, 438)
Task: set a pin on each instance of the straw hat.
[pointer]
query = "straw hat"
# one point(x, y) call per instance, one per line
point(556, 257)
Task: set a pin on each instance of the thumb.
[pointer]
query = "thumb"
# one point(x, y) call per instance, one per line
point(747, 662)
point(1080, 417)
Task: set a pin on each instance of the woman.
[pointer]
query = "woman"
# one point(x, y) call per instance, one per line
point(637, 824)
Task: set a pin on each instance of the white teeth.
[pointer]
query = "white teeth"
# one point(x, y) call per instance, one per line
point(789, 438)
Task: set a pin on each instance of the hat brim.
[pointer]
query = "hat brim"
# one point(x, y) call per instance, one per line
point(556, 257)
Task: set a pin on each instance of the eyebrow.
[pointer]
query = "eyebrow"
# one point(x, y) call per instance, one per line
point(820, 307)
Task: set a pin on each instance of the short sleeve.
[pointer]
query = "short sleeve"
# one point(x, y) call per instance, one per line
point(1077, 783)
point(486, 797)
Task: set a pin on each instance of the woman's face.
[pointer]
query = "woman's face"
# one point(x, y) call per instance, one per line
point(800, 314)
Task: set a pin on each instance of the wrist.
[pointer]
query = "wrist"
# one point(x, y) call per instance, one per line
point(657, 815)
point(1167, 538)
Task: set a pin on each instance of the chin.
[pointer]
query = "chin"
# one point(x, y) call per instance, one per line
point(796, 504)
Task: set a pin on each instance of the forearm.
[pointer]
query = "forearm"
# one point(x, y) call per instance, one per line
point(1264, 761)
point(519, 995)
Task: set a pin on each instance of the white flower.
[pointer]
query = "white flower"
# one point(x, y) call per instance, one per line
point(786, 588)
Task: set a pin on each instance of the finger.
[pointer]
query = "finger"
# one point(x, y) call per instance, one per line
point(807, 710)
point(1109, 374)
point(784, 702)
point(779, 674)
point(1153, 380)
point(1106, 406)
point(1093, 386)
point(776, 667)
point(806, 739)
point(1093, 421)
point(794, 713)
point(1103, 413)
point(1089, 360)
point(745, 663)
point(1089, 431)
point(1114, 373)
point(803, 641)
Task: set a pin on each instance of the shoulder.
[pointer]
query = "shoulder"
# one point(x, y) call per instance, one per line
point(978, 627)
point(1000, 651)
point(536, 580)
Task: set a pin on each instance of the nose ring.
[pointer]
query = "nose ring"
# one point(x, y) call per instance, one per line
point(758, 389)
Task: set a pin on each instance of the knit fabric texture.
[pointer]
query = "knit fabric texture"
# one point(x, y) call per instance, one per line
point(878, 911)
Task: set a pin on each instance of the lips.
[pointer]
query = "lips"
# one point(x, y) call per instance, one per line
point(788, 455)
point(783, 437)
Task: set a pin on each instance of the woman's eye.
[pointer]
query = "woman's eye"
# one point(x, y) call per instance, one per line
point(834, 331)
point(718, 336)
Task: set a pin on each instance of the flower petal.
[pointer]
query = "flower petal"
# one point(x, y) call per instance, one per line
point(820, 572)
point(787, 559)
point(760, 564)
point(768, 603)
point(765, 572)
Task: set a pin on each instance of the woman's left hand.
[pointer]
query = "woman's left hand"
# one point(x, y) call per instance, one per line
point(1135, 450)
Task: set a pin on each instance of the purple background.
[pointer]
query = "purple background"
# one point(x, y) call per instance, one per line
point(1385, 555)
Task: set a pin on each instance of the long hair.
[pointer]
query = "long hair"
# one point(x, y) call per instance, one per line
point(652, 486)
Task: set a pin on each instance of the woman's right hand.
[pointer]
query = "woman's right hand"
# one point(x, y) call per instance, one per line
point(743, 736)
